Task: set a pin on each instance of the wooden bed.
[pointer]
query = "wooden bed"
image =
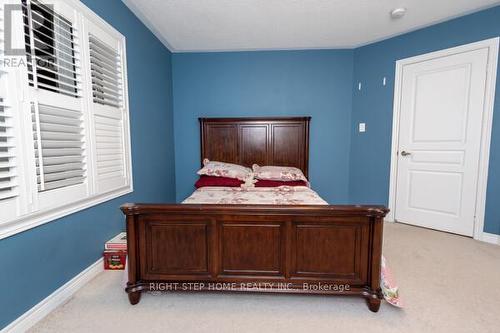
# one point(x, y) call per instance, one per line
point(328, 250)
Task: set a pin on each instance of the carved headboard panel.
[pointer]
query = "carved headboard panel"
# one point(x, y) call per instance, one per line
point(265, 141)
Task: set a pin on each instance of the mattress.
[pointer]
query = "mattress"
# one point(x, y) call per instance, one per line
point(283, 195)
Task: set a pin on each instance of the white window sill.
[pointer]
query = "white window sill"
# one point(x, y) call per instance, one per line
point(11, 228)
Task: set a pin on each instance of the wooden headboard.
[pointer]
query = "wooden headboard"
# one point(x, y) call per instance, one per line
point(265, 141)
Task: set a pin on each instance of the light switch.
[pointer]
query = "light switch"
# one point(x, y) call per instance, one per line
point(362, 127)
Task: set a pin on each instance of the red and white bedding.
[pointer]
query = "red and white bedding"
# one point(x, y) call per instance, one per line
point(283, 195)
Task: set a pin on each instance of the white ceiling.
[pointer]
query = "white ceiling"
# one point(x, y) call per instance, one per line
point(225, 25)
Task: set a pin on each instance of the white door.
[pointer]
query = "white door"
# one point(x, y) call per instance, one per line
point(441, 115)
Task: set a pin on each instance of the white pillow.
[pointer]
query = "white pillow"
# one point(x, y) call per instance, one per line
point(222, 169)
point(278, 173)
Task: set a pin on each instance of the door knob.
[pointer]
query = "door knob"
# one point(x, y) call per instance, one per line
point(405, 153)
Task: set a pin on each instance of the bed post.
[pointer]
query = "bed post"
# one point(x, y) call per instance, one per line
point(375, 295)
point(134, 293)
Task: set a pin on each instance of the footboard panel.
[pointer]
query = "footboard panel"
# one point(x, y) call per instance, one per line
point(175, 247)
point(258, 248)
point(330, 250)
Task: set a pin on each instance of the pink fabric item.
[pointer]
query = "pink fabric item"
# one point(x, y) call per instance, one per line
point(217, 181)
point(278, 173)
point(277, 183)
point(389, 288)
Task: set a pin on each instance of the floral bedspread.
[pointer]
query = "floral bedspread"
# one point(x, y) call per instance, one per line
point(283, 195)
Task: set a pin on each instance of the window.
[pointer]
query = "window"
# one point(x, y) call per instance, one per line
point(64, 133)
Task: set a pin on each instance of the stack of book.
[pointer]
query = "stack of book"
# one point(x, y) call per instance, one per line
point(115, 252)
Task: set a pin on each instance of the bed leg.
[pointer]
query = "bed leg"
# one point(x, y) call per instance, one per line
point(134, 297)
point(373, 303)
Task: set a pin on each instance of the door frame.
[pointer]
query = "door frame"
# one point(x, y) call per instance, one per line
point(493, 46)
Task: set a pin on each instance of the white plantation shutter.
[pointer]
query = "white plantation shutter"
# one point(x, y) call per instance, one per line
point(52, 38)
point(52, 49)
point(106, 72)
point(8, 186)
point(109, 145)
point(59, 152)
point(10, 181)
point(8, 175)
point(111, 157)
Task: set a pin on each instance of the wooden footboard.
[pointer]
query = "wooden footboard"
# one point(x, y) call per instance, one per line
point(331, 250)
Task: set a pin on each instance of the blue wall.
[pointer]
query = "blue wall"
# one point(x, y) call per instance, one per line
point(370, 151)
point(35, 263)
point(281, 83)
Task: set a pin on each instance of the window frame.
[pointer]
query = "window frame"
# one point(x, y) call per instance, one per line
point(28, 214)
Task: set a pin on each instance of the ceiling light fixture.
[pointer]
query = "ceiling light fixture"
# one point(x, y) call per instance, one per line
point(398, 13)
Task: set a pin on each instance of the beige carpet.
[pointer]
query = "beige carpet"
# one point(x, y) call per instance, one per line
point(449, 284)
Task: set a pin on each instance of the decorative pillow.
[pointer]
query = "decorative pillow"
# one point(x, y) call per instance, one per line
point(217, 181)
point(278, 183)
point(278, 173)
point(221, 169)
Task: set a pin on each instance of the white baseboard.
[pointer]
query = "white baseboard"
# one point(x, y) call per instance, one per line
point(491, 238)
point(58, 297)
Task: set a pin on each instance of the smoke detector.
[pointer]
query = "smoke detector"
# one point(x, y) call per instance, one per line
point(398, 13)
